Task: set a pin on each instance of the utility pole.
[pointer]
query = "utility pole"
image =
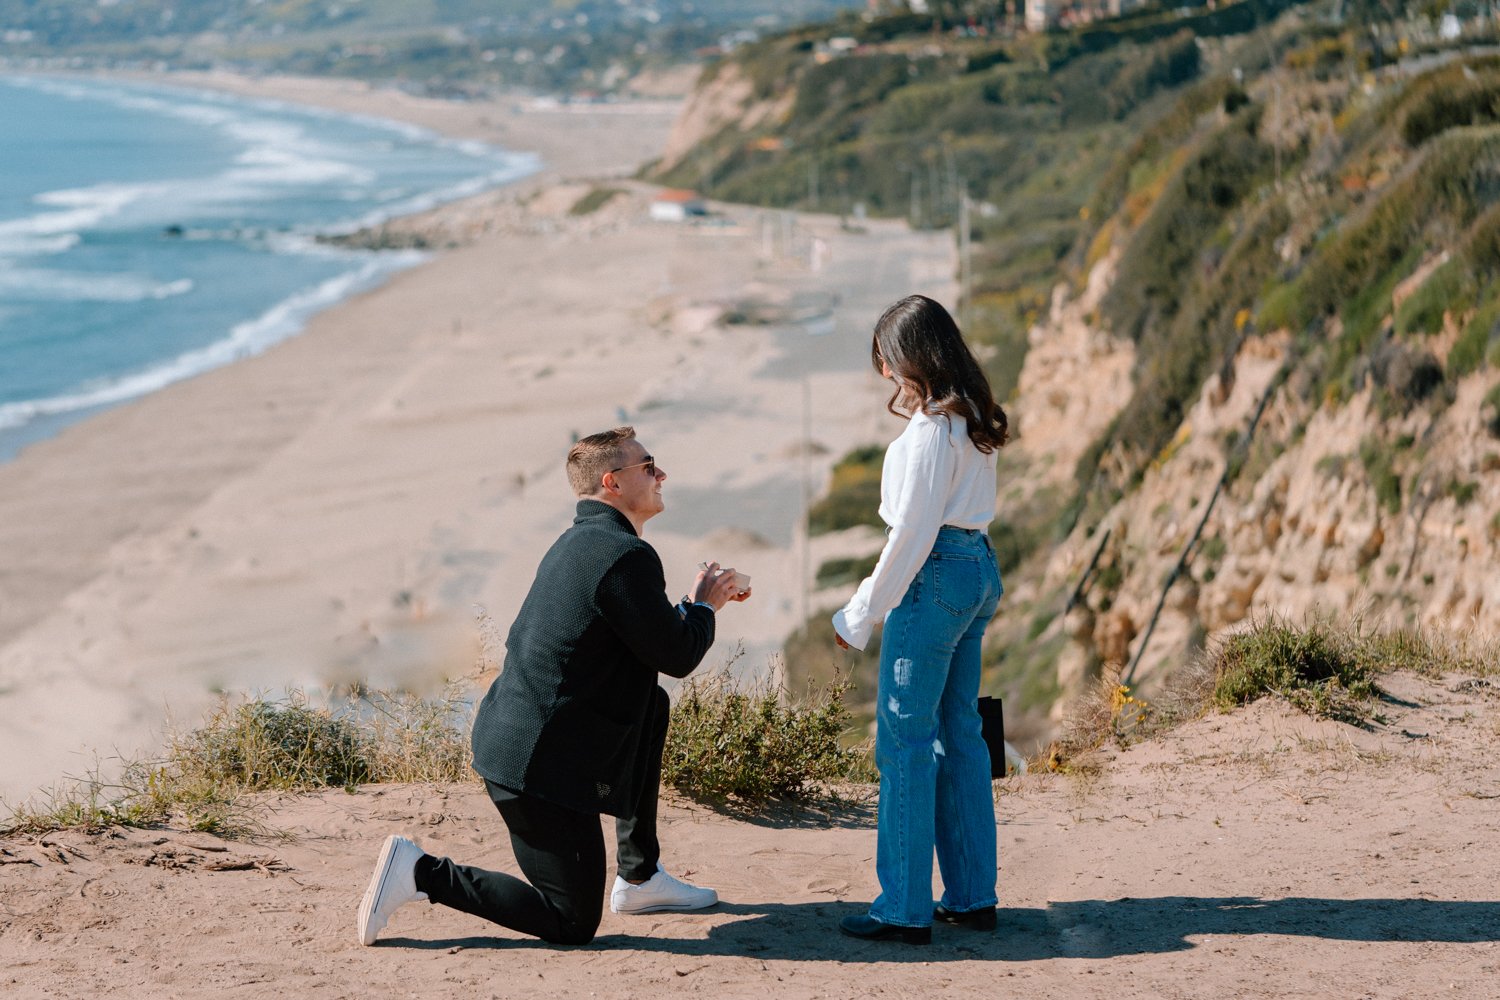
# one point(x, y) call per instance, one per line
point(812, 184)
point(804, 554)
point(934, 192)
point(965, 258)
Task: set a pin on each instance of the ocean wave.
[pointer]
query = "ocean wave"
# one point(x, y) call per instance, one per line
point(245, 340)
point(20, 244)
point(275, 155)
point(80, 208)
point(40, 285)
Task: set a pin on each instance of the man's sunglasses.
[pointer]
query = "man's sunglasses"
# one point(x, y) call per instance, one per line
point(649, 464)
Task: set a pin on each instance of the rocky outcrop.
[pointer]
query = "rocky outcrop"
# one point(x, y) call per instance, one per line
point(1074, 381)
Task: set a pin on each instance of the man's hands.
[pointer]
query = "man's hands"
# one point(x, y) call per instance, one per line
point(716, 587)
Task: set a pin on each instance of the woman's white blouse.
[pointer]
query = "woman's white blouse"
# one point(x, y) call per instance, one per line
point(932, 476)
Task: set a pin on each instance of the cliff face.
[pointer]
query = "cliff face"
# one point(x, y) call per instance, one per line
point(723, 99)
point(1339, 508)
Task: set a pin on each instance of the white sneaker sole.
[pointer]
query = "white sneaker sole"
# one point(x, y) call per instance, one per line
point(664, 907)
point(367, 933)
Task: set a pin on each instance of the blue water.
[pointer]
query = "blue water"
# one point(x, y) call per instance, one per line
point(149, 233)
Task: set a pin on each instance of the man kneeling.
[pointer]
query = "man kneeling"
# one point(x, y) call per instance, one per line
point(575, 724)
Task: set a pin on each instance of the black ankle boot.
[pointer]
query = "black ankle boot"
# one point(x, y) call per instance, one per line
point(976, 920)
point(867, 928)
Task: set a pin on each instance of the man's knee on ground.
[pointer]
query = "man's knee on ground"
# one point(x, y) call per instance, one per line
point(578, 931)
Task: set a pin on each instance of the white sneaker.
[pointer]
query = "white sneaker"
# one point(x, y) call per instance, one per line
point(659, 892)
point(391, 886)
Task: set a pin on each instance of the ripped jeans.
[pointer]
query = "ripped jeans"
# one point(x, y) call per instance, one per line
point(934, 765)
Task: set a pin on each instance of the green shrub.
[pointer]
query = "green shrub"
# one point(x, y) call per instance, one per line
point(1481, 244)
point(595, 199)
point(1164, 66)
point(1352, 271)
point(1492, 406)
point(853, 496)
point(748, 742)
point(1152, 148)
point(1454, 103)
point(260, 744)
point(1462, 491)
point(830, 95)
point(1317, 668)
point(1224, 169)
point(1377, 461)
point(1449, 288)
point(1483, 328)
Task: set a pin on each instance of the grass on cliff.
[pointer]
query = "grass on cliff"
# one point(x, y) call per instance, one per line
point(1328, 669)
point(748, 742)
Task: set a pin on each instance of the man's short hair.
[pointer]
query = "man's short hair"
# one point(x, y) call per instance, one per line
point(593, 456)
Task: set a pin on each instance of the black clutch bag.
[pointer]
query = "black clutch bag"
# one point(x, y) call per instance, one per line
point(992, 718)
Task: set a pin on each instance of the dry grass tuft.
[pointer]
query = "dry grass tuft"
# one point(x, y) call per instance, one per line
point(749, 742)
point(1327, 669)
point(205, 776)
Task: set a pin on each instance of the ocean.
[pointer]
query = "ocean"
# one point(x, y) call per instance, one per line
point(149, 233)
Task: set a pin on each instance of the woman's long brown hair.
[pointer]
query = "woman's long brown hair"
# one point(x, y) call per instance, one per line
point(935, 370)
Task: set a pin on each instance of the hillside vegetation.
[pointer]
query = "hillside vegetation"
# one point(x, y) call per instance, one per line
point(1291, 216)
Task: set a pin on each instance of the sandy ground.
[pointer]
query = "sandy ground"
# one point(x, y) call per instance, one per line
point(1260, 854)
point(337, 509)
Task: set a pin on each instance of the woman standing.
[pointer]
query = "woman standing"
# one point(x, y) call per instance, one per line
point(936, 586)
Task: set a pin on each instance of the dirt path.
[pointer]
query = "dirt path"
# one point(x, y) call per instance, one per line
point(1255, 855)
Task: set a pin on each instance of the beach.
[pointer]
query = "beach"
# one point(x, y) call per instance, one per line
point(365, 503)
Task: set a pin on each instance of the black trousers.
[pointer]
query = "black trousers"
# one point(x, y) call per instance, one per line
point(561, 853)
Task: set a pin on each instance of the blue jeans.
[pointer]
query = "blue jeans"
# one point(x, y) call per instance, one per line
point(934, 765)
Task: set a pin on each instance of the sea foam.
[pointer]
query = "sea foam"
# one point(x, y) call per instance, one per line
point(245, 340)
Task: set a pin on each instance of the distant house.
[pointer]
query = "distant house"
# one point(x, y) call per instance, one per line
point(677, 205)
point(1042, 14)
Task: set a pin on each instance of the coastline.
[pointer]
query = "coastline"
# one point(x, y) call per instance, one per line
point(332, 511)
point(247, 216)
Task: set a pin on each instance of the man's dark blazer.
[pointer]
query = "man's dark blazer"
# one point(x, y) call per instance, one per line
point(565, 719)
